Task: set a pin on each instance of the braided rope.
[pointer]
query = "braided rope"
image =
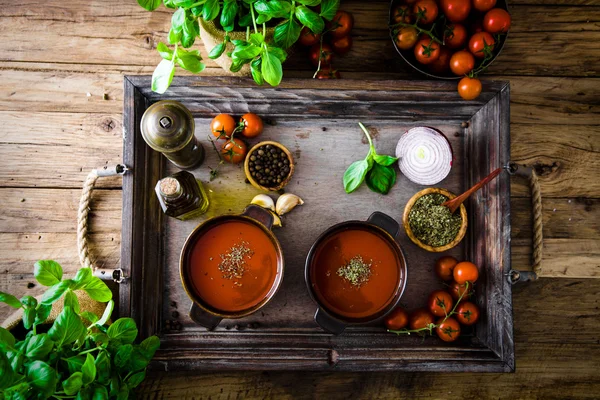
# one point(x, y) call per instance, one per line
point(536, 199)
point(82, 220)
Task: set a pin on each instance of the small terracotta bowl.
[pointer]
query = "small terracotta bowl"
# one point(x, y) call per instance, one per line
point(459, 236)
point(247, 166)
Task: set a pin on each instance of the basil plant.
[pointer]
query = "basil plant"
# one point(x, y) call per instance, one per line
point(265, 56)
point(80, 356)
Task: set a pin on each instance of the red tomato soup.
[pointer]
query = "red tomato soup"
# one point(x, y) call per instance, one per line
point(233, 266)
point(337, 290)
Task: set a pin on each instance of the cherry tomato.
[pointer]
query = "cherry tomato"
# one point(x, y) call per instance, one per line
point(496, 20)
point(469, 89)
point(328, 74)
point(222, 126)
point(467, 313)
point(406, 38)
point(484, 5)
point(456, 10)
point(402, 14)
point(426, 50)
point(326, 53)
point(429, 9)
point(420, 318)
point(479, 41)
point(456, 290)
point(462, 62)
point(440, 303)
point(448, 330)
point(466, 271)
point(234, 151)
point(342, 24)
point(397, 319)
point(308, 38)
point(444, 266)
point(441, 65)
point(253, 125)
point(456, 36)
point(341, 45)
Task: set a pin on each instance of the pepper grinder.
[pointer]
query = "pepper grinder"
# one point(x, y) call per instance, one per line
point(168, 127)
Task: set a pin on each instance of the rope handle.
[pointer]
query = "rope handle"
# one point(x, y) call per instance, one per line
point(83, 223)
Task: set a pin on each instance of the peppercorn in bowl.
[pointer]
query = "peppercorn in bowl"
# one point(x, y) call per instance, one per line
point(269, 166)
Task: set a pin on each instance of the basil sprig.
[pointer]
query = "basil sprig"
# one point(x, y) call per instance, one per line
point(376, 169)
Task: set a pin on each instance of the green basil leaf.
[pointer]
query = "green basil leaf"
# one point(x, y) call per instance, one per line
point(380, 179)
point(245, 20)
point(237, 64)
point(7, 339)
point(177, 20)
point(114, 386)
point(103, 367)
point(123, 354)
point(189, 33)
point(211, 10)
point(287, 33)
point(73, 383)
point(230, 9)
point(262, 18)
point(310, 19)
point(138, 360)
point(88, 369)
point(10, 300)
point(100, 393)
point(149, 346)
point(42, 313)
point(84, 276)
point(136, 379)
point(277, 52)
point(123, 392)
point(101, 339)
point(355, 175)
point(90, 316)
point(174, 36)
point(42, 377)
point(329, 8)
point(39, 346)
point(67, 328)
point(217, 51)
point(271, 69)
point(55, 292)
point(273, 9)
point(384, 160)
point(71, 301)
point(169, 3)
point(107, 313)
point(190, 62)
point(184, 3)
point(47, 272)
point(75, 363)
point(309, 2)
point(97, 289)
point(246, 52)
point(123, 329)
point(150, 5)
point(163, 76)
point(16, 359)
point(164, 51)
point(255, 67)
point(29, 302)
point(17, 392)
point(257, 39)
point(6, 371)
point(28, 317)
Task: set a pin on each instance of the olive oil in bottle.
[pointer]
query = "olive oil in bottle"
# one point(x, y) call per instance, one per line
point(182, 196)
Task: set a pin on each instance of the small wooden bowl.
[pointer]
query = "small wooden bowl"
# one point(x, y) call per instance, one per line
point(247, 166)
point(459, 236)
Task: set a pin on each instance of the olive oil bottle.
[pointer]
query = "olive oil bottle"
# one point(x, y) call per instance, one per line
point(182, 196)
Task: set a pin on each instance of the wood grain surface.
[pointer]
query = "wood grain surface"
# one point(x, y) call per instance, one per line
point(54, 133)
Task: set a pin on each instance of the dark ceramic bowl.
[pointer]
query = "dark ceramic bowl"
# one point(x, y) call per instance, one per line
point(409, 56)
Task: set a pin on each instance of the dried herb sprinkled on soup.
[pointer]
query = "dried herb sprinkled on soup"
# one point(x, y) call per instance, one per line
point(432, 223)
point(233, 263)
point(356, 271)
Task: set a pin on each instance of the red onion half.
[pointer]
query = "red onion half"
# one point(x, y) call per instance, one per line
point(425, 155)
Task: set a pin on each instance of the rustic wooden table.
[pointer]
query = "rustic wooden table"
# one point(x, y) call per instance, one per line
point(61, 100)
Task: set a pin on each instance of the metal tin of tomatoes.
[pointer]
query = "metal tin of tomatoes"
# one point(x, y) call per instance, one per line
point(409, 57)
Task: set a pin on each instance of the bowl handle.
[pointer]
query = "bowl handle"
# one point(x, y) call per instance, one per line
point(202, 318)
point(329, 324)
point(260, 214)
point(385, 222)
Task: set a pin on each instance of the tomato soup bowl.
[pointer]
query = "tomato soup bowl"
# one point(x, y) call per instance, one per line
point(216, 292)
point(339, 302)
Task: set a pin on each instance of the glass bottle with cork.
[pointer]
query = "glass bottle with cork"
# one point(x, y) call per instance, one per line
point(182, 196)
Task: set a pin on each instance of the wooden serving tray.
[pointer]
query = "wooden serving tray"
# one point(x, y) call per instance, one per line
point(318, 124)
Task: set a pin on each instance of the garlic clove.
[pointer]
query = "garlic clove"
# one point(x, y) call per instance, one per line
point(276, 220)
point(286, 203)
point(264, 201)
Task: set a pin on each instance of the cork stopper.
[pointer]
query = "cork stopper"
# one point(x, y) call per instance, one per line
point(169, 187)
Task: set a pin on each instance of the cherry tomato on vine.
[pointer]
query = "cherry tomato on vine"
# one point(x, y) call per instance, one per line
point(444, 266)
point(222, 126)
point(468, 89)
point(341, 24)
point(420, 318)
point(402, 14)
point(326, 54)
point(462, 62)
point(467, 313)
point(234, 151)
point(397, 319)
point(456, 10)
point(406, 38)
point(455, 36)
point(440, 303)
point(428, 9)
point(497, 20)
point(456, 290)
point(426, 50)
point(253, 125)
point(479, 42)
point(484, 5)
point(328, 73)
point(442, 64)
point(341, 45)
point(308, 38)
point(466, 271)
point(448, 330)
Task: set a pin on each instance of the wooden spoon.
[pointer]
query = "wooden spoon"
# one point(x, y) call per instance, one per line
point(457, 201)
